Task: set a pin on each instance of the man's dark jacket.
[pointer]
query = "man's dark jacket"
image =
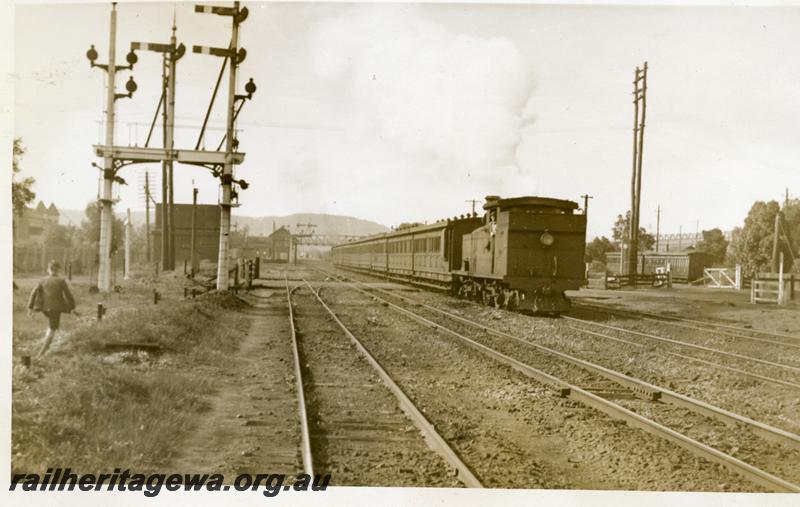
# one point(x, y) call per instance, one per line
point(51, 295)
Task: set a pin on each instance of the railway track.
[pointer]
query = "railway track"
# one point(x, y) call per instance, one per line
point(788, 375)
point(774, 365)
point(336, 390)
point(705, 325)
point(713, 364)
point(611, 408)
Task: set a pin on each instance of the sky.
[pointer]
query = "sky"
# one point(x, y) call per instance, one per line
point(403, 112)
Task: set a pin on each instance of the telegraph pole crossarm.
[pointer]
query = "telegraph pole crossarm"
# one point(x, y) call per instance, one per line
point(474, 202)
point(586, 198)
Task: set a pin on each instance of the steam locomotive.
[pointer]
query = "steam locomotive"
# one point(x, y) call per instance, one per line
point(522, 254)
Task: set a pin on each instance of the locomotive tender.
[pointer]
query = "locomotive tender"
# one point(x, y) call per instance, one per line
point(523, 254)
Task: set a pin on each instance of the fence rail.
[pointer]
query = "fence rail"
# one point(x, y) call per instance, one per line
point(605, 280)
point(723, 278)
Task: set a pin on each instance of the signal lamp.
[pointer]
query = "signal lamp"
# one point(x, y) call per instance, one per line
point(131, 58)
point(131, 85)
point(250, 88)
point(91, 55)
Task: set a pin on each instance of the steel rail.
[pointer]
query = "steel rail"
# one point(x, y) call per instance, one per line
point(645, 316)
point(738, 371)
point(668, 318)
point(653, 391)
point(305, 445)
point(754, 474)
point(432, 437)
point(695, 359)
point(686, 344)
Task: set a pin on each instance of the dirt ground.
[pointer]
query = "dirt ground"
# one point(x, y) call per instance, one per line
point(511, 431)
point(758, 400)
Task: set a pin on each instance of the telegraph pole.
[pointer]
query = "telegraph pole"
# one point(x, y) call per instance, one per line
point(109, 171)
point(473, 201)
point(586, 198)
point(639, 94)
point(658, 225)
point(194, 217)
point(164, 177)
point(147, 212)
point(172, 58)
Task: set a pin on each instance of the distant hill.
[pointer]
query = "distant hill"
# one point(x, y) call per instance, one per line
point(325, 224)
point(263, 226)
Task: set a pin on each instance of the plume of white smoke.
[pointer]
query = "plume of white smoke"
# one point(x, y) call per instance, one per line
point(424, 102)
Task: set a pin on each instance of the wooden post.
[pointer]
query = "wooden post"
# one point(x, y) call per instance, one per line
point(194, 214)
point(738, 280)
point(775, 240)
point(147, 211)
point(780, 280)
point(126, 274)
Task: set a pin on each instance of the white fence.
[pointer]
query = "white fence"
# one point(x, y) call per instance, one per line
point(723, 278)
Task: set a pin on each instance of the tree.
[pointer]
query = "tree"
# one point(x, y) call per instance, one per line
point(621, 233)
point(57, 235)
point(90, 228)
point(714, 244)
point(21, 191)
point(751, 245)
point(791, 222)
point(597, 248)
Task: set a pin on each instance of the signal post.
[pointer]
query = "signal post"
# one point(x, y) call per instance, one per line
point(219, 163)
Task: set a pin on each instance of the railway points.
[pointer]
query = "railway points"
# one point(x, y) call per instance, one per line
point(773, 365)
point(650, 391)
point(428, 344)
point(709, 325)
point(712, 328)
point(614, 409)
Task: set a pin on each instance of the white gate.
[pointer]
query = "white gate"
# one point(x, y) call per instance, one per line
point(720, 278)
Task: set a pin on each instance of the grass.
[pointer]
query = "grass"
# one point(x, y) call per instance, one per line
point(84, 407)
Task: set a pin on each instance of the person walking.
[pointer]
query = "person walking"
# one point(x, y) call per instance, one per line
point(52, 297)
